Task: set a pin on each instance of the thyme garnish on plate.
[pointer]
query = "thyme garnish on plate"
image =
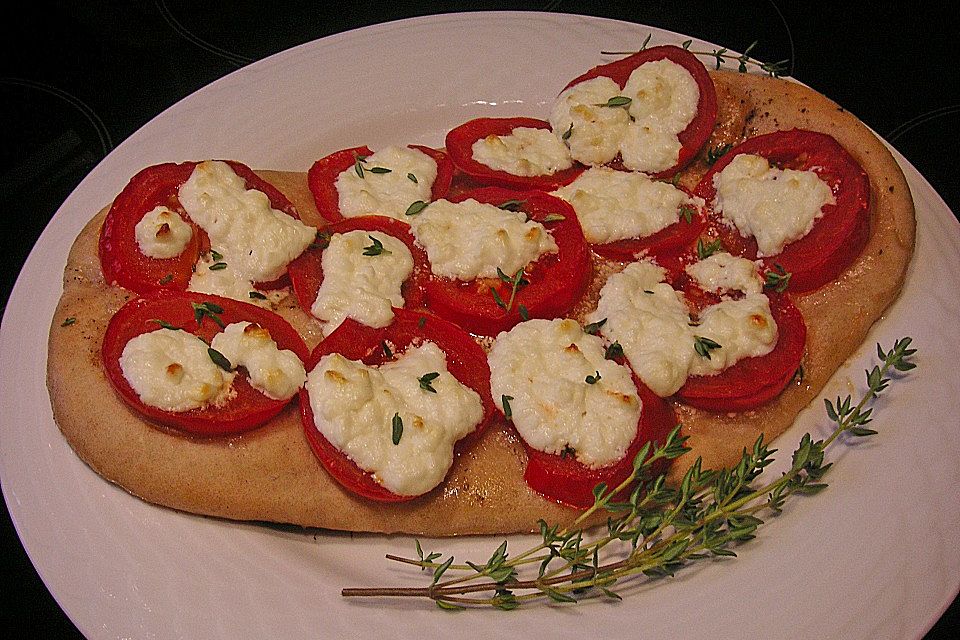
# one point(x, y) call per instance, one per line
point(720, 56)
point(657, 530)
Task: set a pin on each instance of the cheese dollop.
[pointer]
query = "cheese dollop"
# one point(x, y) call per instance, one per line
point(276, 373)
point(371, 190)
point(359, 286)
point(470, 239)
point(658, 101)
point(775, 206)
point(354, 407)
point(254, 241)
point(172, 370)
point(615, 205)
point(162, 233)
point(565, 393)
point(526, 151)
point(652, 321)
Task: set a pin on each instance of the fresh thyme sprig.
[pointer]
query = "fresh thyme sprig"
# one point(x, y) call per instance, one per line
point(720, 56)
point(657, 529)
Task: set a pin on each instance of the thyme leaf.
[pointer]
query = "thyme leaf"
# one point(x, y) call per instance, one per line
point(703, 346)
point(397, 429)
point(375, 249)
point(426, 381)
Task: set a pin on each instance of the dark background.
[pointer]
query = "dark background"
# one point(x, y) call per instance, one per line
point(79, 77)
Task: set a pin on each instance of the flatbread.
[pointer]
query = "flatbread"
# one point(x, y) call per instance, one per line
point(271, 474)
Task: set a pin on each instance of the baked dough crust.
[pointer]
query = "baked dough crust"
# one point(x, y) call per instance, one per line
point(271, 475)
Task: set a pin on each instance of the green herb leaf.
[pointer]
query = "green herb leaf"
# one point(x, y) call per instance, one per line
point(613, 352)
point(426, 381)
point(166, 279)
point(615, 102)
point(219, 359)
point(68, 321)
point(553, 217)
point(594, 327)
point(524, 314)
point(703, 346)
point(687, 212)
point(416, 207)
point(412, 178)
point(566, 134)
point(778, 279)
point(375, 249)
point(717, 152)
point(380, 170)
point(218, 266)
point(397, 429)
point(512, 205)
point(387, 353)
point(216, 255)
point(166, 325)
point(507, 411)
point(209, 310)
point(594, 379)
point(704, 251)
point(256, 295)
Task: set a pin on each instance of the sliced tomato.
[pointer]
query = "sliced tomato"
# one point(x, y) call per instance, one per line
point(322, 177)
point(671, 241)
point(466, 360)
point(753, 382)
point(693, 137)
point(570, 482)
point(122, 261)
point(460, 140)
point(556, 281)
point(837, 238)
point(247, 407)
point(306, 272)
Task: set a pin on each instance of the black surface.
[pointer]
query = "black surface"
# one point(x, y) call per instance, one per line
point(80, 77)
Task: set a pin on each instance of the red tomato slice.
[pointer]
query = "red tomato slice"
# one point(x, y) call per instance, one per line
point(752, 382)
point(322, 177)
point(556, 281)
point(306, 272)
point(564, 479)
point(122, 261)
point(466, 360)
point(249, 408)
point(459, 144)
point(672, 241)
point(698, 131)
point(837, 238)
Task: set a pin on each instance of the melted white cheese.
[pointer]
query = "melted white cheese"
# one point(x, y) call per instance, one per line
point(470, 239)
point(663, 101)
point(652, 322)
point(276, 373)
point(723, 272)
point(171, 370)
point(525, 152)
point(596, 129)
point(664, 98)
point(615, 205)
point(354, 406)
point(544, 366)
point(358, 286)
point(256, 241)
point(391, 193)
point(162, 233)
point(775, 206)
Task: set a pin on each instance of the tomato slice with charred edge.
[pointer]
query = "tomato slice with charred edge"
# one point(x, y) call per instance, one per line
point(459, 144)
point(693, 137)
point(836, 238)
point(247, 408)
point(671, 241)
point(122, 261)
point(752, 382)
point(556, 281)
point(306, 272)
point(570, 482)
point(322, 177)
point(466, 360)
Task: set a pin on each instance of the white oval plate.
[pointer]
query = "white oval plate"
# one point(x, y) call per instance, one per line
point(873, 556)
